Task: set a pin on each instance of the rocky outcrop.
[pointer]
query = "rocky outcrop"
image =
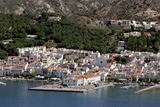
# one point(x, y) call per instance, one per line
point(127, 9)
point(60, 6)
point(83, 11)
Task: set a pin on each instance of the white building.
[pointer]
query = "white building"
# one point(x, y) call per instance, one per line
point(82, 80)
point(135, 34)
point(120, 74)
point(146, 26)
point(99, 60)
point(29, 50)
point(121, 43)
point(32, 37)
point(61, 73)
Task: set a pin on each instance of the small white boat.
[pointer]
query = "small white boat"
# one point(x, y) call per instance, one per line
point(129, 86)
point(125, 87)
point(2, 83)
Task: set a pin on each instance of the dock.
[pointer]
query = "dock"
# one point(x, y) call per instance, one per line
point(65, 89)
point(147, 88)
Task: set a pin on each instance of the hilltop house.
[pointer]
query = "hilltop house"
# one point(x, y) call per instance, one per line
point(125, 22)
point(7, 41)
point(135, 33)
point(157, 27)
point(114, 22)
point(147, 33)
point(120, 22)
point(32, 37)
point(146, 26)
point(54, 18)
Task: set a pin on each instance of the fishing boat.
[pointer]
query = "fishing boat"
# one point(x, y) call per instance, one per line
point(2, 83)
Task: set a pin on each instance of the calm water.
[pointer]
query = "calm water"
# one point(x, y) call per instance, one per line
point(15, 94)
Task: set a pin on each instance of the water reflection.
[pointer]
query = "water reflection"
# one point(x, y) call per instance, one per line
point(15, 94)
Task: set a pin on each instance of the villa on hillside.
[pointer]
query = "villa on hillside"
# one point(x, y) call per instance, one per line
point(120, 22)
point(54, 18)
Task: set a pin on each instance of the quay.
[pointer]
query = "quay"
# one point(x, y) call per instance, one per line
point(66, 89)
point(147, 88)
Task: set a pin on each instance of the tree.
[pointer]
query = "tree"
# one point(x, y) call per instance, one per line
point(3, 54)
point(2, 46)
point(16, 75)
point(152, 29)
point(41, 34)
point(10, 74)
point(12, 50)
point(45, 16)
point(48, 76)
point(121, 60)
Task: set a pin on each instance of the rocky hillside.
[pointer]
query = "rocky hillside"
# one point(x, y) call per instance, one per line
point(60, 6)
point(127, 9)
point(83, 11)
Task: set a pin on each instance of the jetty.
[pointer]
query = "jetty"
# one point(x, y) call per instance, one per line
point(148, 88)
point(67, 89)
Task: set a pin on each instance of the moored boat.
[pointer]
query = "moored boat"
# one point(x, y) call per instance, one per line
point(2, 83)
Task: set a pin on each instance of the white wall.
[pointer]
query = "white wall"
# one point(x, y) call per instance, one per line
point(101, 62)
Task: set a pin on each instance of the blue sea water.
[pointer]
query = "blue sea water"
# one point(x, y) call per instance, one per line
point(16, 94)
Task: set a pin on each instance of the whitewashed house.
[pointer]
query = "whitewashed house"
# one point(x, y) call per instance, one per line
point(135, 33)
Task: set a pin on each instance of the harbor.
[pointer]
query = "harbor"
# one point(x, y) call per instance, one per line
point(17, 93)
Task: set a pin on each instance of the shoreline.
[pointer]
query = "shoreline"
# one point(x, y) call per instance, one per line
point(21, 79)
point(41, 88)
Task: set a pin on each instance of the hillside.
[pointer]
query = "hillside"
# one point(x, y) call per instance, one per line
point(84, 11)
point(63, 33)
point(127, 9)
point(70, 31)
point(60, 6)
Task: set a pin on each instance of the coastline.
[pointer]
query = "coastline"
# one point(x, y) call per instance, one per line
point(41, 88)
point(21, 79)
